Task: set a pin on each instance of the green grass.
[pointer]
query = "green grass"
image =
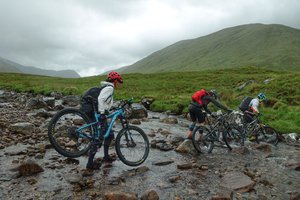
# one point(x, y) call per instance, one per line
point(172, 91)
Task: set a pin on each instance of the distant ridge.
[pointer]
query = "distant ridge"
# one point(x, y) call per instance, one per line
point(270, 46)
point(12, 67)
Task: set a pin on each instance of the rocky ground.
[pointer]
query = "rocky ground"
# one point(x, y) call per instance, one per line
point(32, 169)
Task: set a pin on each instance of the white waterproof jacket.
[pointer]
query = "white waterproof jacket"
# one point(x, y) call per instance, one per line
point(105, 98)
point(254, 103)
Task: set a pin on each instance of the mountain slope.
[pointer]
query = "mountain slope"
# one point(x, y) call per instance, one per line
point(8, 66)
point(272, 46)
point(12, 67)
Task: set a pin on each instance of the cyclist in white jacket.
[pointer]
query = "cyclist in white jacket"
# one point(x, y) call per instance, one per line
point(253, 107)
point(105, 101)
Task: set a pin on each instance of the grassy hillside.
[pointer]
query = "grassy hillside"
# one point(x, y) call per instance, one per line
point(270, 46)
point(172, 91)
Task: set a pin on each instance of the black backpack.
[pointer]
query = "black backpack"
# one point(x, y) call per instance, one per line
point(92, 92)
point(245, 104)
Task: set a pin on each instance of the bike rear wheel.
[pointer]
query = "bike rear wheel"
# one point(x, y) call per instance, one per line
point(201, 139)
point(267, 134)
point(132, 146)
point(65, 136)
point(233, 137)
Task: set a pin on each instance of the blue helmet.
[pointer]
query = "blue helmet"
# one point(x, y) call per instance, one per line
point(262, 96)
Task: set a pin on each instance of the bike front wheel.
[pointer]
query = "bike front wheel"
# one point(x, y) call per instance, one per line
point(233, 137)
point(132, 146)
point(69, 133)
point(202, 140)
point(267, 134)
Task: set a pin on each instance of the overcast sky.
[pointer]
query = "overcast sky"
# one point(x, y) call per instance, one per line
point(93, 36)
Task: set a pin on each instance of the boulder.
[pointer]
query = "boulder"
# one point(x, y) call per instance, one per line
point(36, 103)
point(71, 100)
point(150, 195)
point(237, 181)
point(24, 128)
point(185, 147)
point(138, 112)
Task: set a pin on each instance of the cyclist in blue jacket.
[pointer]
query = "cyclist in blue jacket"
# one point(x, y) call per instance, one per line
point(105, 101)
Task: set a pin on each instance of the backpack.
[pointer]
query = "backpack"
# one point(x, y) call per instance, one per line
point(92, 92)
point(197, 96)
point(245, 104)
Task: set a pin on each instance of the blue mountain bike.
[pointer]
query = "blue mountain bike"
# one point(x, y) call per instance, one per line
point(71, 133)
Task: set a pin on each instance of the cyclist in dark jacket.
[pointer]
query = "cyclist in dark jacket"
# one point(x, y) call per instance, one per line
point(200, 101)
point(105, 100)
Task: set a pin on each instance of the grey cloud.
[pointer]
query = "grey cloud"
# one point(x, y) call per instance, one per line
point(93, 35)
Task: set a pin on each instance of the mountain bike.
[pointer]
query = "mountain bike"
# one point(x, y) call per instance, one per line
point(71, 133)
point(204, 138)
point(255, 130)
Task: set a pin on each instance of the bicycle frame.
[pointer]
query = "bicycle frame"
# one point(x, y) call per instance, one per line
point(250, 128)
point(117, 114)
point(220, 122)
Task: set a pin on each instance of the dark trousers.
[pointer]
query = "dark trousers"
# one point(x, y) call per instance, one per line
point(103, 128)
point(196, 113)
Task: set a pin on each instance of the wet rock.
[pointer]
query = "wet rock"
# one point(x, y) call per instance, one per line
point(223, 195)
point(161, 163)
point(266, 182)
point(42, 113)
point(203, 167)
point(237, 181)
point(174, 179)
point(185, 166)
point(241, 150)
point(27, 168)
point(263, 147)
point(185, 147)
point(292, 137)
point(169, 120)
point(164, 146)
point(150, 195)
point(25, 128)
point(295, 196)
point(293, 165)
point(138, 112)
point(32, 181)
point(15, 152)
point(115, 180)
point(118, 195)
point(71, 161)
point(164, 132)
point(135, 121)
point(73, 178)
point(36, 103)
point(56, 95)
point(71, 100)
point(41, 147)
point(155, 143)
point(152, 134)
point(147, 101)
point(50, 101)
point(175, 140)
point(135, 171)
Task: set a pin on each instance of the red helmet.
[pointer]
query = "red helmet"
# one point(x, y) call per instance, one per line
point(115, 77)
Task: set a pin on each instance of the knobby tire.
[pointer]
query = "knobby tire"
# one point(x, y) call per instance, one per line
point(132, 146)
point(64, 127)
